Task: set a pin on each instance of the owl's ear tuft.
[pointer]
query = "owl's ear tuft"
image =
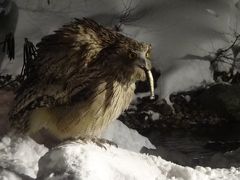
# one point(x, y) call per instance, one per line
point(148, 55)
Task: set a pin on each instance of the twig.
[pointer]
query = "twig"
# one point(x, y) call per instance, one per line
point(233, 44)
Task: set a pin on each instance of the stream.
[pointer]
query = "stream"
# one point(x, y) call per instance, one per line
point(215, 148)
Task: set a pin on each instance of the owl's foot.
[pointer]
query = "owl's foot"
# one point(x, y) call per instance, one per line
point(98, 141)
point(101, 141)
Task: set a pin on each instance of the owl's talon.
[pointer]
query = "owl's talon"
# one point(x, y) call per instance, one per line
point(100, 142)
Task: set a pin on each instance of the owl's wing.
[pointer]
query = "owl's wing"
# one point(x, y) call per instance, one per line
point(72, 48)
point(61, 70)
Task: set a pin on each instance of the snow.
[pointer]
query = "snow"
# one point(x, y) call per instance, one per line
point(154, 115)
point(89, 162)
point(188, 76)
point(22, 158)
point(174, 28)
point(7, 175)
point(92, 162)
point(19, 154)
point(126, 138)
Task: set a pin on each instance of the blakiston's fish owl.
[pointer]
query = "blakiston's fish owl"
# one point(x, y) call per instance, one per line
point(83, 78)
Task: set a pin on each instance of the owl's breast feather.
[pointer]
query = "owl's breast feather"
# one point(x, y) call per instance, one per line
point(89, 118)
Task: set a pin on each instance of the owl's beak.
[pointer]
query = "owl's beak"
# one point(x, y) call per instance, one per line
point(146, 65)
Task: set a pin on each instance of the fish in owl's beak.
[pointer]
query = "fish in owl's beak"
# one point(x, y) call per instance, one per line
point(145, 64)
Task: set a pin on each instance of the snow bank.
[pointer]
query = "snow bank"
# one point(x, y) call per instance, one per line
point(76, 160)
point(174, 28)
point(186, 77)
point(126, 138)
point(19, 155)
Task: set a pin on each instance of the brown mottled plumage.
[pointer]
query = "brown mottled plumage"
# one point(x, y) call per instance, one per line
point(83, 78)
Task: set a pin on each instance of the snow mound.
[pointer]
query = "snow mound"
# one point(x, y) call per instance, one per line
point(126, 138)
point(19, 155)
point(76, 160)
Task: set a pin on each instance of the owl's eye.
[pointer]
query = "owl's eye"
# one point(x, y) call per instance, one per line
point(148, 55)
point(132, 55)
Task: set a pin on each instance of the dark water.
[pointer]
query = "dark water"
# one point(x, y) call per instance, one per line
point(213, 147)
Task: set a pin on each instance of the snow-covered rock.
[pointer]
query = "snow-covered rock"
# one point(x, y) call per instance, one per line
point(76, 160)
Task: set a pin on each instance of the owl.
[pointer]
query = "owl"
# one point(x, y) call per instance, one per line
point(82, 79)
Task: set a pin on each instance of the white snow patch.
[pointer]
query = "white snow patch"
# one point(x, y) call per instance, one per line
point(90, 162)
point(20, 154)
point(174, 28)
point(126, 138)
point(8, 175)
point(19, 157)
point(154, 115)
point(188, 76)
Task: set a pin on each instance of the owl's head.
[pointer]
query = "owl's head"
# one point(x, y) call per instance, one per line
point(139, 57)
point(129, 62)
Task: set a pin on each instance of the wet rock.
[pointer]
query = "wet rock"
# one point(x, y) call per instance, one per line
point(223, 100)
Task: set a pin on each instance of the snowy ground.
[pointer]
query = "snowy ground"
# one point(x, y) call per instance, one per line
point(118, 164)
point(20, 155)
point(126, 138)
point(76, 160)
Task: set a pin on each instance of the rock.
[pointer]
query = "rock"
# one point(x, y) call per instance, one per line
point(222, 99)
point(229, 159)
